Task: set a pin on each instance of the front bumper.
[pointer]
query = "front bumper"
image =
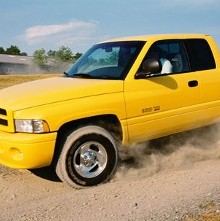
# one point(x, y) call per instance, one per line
point(22, 150)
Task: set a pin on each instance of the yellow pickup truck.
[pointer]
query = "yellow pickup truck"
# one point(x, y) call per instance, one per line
point(119, 92)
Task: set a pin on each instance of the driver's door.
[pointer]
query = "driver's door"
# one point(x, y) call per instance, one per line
point(161, 105)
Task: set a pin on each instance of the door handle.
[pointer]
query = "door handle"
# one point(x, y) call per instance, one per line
point(193, 83)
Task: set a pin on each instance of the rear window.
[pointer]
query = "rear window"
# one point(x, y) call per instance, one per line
point(200, 54)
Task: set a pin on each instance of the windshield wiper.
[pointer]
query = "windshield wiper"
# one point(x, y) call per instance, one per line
point(83, 75)
point(66, 74)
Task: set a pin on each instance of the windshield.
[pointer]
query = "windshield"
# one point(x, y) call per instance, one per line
point(106, 61)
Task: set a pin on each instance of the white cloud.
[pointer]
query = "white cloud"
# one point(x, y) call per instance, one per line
point(60, 32)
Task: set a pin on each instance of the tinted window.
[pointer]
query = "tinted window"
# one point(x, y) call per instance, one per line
point(171, 54)
point(200, 54)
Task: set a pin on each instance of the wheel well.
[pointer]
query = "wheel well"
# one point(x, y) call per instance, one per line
point(108, 122)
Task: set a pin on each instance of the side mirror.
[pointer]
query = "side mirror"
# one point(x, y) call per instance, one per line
point(150, 68)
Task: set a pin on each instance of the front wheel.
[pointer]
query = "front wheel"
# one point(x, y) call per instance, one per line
point(89, 157)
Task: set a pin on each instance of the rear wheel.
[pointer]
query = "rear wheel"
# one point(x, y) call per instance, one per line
point(89, 157)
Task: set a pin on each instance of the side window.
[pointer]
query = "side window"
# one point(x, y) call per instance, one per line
point(200, 54)
point(171, 55)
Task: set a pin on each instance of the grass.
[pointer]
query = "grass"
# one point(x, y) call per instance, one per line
point(206, 216)
point(210, 212)
point(9, 80)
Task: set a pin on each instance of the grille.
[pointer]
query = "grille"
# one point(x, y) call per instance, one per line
point(4, 122)
point(3, 112)
point(3, 117)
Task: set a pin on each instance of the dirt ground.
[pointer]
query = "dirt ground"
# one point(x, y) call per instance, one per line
point(170, 179)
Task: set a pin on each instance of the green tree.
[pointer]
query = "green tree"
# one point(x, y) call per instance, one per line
point(55, 61)
point(77, 56)
point(40, 58)
point(23, 53)
point(60, 60)
point(2, 50)
point(64, 54)
point(13, 50)
point(51, 53)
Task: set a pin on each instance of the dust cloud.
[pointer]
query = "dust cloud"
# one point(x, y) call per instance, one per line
point(174, 152)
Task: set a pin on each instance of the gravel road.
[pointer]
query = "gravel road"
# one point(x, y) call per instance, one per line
point(171, 183)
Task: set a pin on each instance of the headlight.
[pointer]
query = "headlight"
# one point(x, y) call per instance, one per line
point(31, 126)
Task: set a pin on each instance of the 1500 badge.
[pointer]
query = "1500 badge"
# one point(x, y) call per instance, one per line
point(150, 109)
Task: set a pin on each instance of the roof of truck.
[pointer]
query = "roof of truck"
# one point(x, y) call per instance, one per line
point(158, 37)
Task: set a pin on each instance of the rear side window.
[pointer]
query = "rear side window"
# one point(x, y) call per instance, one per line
point(200, 54)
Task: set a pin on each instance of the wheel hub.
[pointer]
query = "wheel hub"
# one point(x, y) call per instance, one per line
point(89, 158)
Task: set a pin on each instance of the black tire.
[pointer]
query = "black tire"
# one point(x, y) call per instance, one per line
point(89, 157)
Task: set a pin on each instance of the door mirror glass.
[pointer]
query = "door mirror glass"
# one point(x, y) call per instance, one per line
point(149, 68)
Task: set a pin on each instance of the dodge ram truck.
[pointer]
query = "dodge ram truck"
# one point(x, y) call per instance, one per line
point(119, 92)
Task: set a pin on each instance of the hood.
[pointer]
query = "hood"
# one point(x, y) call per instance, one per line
point(50, 90)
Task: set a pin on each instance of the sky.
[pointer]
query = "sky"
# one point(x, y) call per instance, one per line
point(79, 24)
